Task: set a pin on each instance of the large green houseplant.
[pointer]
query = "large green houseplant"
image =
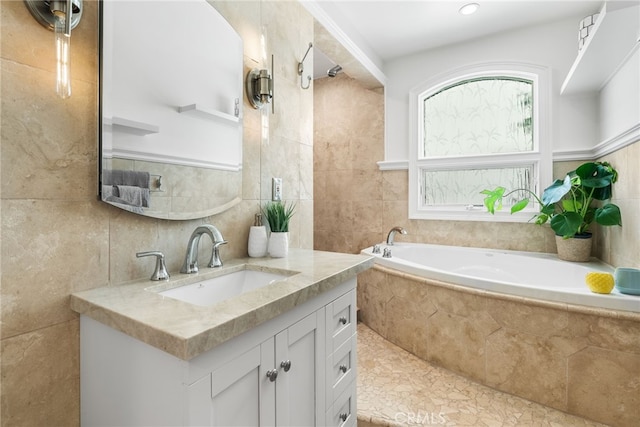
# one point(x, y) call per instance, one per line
point(571, 204)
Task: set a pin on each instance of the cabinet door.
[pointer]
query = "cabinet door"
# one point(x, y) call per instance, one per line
point(300, 384)
point(240, 392)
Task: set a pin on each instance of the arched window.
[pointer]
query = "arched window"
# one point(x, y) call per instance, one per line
point(479, 128)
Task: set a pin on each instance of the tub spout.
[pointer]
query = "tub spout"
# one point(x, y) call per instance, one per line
point(392, 234)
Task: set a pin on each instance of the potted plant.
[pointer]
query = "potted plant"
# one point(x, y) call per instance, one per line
point(570, 205)
point(278, 215)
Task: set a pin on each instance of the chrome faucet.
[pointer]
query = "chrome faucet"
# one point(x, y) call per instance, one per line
point(190, 264)
point(392, 234)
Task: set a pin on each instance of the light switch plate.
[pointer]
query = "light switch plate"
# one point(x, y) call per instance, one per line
point(276, 189)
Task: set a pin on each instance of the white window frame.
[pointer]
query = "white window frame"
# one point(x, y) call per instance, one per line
point(540, 157)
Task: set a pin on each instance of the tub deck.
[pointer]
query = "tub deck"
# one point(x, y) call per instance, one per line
point(396, 388)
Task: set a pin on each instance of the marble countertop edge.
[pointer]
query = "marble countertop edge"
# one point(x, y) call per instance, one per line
point(185, 330)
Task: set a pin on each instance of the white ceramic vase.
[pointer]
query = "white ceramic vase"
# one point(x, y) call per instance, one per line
point(278, 244)
point(257, 241)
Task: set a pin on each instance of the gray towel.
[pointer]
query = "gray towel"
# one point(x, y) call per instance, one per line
point(125, 177)
point(107, 191)
point(134, 196)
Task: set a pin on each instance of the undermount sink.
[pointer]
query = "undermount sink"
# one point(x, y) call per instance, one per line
point(211, 291)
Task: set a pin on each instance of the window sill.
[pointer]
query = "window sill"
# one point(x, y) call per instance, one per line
point(475, 214)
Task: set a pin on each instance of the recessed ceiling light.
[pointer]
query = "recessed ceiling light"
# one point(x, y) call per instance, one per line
point(469, 8)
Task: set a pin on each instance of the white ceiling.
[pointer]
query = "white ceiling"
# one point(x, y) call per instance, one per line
point(390, 29)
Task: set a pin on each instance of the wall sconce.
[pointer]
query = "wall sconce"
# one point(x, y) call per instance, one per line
point(61, 16)
point(259, 87)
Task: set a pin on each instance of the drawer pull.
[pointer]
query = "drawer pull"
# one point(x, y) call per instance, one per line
point(272, 374)
point(286, 365)
point(343, 368)
point(343, 320)
point(343, 417)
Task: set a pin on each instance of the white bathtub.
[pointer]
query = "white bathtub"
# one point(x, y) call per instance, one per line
point(527, 274)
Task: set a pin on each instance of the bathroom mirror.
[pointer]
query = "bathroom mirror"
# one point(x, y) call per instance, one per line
point(171, 87)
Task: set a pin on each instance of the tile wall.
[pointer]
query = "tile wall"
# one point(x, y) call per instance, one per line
point(58, 239)
point(356, 204)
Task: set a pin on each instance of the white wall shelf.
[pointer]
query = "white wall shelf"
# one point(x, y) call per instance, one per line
point(131, 126)
point(194, 110)
point(614, 37)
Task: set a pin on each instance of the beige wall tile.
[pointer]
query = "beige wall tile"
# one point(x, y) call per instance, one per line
point(457, 343)
point(373, 295)
point(407, 326)
point(599, 377)
point(606, 332)
point(50, 249)
point(523, 317)
point(527, 365)
point(40, 377)
point(43, 139)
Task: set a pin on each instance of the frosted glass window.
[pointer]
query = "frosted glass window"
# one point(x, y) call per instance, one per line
point(463, 187)
point(474, 128)
point(488, 115)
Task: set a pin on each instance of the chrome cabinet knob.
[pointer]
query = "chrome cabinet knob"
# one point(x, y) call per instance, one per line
point(272, 374)
point(343, 368)
point(286, 365)
point(343, 417)
point(343, 320)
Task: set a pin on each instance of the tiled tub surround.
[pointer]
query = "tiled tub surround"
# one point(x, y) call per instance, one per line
point(581, 360)
point(185, 330)
point(525, 274)
point(398, 389)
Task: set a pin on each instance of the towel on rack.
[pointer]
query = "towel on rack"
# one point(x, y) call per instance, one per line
point(134, 196)
point(107, 191)
point(125, 177)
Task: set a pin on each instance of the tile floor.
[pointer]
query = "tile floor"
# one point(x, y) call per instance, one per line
point(395, 388)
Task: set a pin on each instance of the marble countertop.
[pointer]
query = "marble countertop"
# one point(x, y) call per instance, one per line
point(186, 330)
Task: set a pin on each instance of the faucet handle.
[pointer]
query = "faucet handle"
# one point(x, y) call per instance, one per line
point(160, 272)
point(215, 254)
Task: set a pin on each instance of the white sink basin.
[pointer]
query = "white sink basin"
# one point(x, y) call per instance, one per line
point(217, 289)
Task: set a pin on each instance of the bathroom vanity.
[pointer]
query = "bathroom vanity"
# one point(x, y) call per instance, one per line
point(283, 354)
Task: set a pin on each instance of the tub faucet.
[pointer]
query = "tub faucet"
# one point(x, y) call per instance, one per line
point(190, 264)
point(392, 234)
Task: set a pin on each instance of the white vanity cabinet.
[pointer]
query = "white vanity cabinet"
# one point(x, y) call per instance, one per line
point(284, 372)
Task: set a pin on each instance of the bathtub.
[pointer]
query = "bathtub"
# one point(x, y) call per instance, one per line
point(526, 274)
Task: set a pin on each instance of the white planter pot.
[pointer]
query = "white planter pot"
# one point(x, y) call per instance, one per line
point(278, 244)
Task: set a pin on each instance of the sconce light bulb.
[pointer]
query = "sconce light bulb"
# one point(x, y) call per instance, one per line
point(63, 56)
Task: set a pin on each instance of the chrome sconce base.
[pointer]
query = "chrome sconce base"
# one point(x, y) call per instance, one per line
point(43, 11)
point(259, 87)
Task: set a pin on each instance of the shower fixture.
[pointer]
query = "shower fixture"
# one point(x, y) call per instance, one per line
point(332, 72)
point(301, 69)
point(61, 16)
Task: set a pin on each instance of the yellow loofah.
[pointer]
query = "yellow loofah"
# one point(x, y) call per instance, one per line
point(600, 283)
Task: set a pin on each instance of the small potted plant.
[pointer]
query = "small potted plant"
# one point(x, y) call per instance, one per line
point(570, 207)
point(278, 215)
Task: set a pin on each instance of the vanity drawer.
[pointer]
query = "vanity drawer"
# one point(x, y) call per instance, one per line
point(344, 412)
point(341, 369)
point(341, 320)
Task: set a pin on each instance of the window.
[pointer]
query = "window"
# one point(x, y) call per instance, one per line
point(479, 128)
